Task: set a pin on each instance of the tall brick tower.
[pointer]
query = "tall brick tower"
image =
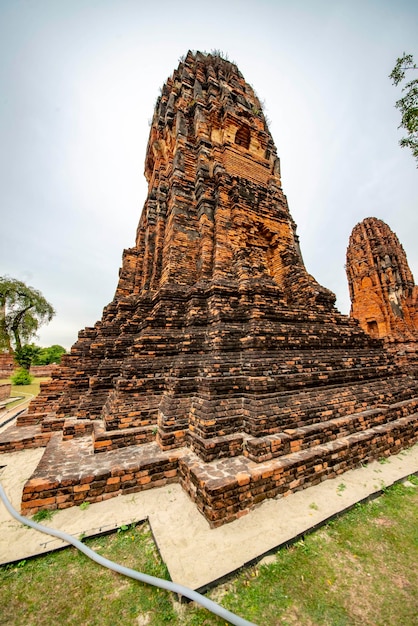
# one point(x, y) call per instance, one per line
point(384, 297)
point(220, 363)
point(215, 213)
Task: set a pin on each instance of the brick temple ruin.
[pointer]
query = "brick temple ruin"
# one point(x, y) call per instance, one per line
point(384, 297)
point(221, 363)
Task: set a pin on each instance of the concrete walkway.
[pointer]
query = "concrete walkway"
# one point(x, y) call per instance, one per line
point(196, 555)
point(8, 415)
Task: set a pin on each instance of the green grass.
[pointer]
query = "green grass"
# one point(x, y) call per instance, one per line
point(20, 390)
point(42, 515)
point(358, 570)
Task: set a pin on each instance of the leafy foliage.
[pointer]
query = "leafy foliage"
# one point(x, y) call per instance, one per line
point(26, 355)
point(52, 354)
point(30, 354)
point(23, 310)
point(408, 104)
point(22, 377)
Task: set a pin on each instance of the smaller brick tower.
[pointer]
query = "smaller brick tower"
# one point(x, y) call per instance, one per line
point(384, 298)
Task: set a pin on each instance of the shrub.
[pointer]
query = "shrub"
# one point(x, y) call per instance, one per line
point(45, 356)
point(22, 377)
point(25, 355)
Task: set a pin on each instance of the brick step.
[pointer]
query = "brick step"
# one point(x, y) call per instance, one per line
point(52, 424)
point(124, 410)
point(243, 321)
point(30, 419)
point(76, 428)
point(273, 370)
point(313, 367)
point(292, 440)
point(92, 402)
point(228, 488)
point(267, 416)
point(278, 358)
point(105, 440)
point(275, 413)
point(216, 447)
point(17, 438)
point(242, 384)
point(223, 489)
point(391, 385)
point(317, 378)
point(70, 474)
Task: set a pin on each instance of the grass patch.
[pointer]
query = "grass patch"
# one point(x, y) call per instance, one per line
point(43, 515)
point(341, 487)
point(18, 391)
point(358, 570)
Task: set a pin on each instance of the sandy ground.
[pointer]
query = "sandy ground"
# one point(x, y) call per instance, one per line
point(196, 555)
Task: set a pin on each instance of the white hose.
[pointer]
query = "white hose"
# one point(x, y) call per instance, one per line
point(211, 606)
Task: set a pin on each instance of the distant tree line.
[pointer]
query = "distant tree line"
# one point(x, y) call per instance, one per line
point(31, 354)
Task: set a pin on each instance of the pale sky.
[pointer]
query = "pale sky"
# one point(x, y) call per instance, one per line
point(78, 84)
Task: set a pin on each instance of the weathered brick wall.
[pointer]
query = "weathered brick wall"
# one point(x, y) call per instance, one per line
point(43, 370)
point(7, 365)
point(5, 390)
point(221, 363)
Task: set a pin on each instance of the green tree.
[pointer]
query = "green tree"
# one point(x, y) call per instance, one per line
point(52, 354)
point(27, 355)
point(23, 310)
point(408, 104)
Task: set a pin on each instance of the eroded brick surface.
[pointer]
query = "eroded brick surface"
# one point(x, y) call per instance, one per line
point(5, 389)
point(220, 363)
point(7, 365)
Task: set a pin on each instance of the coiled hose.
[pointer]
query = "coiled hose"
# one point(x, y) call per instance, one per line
point(211, 606)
